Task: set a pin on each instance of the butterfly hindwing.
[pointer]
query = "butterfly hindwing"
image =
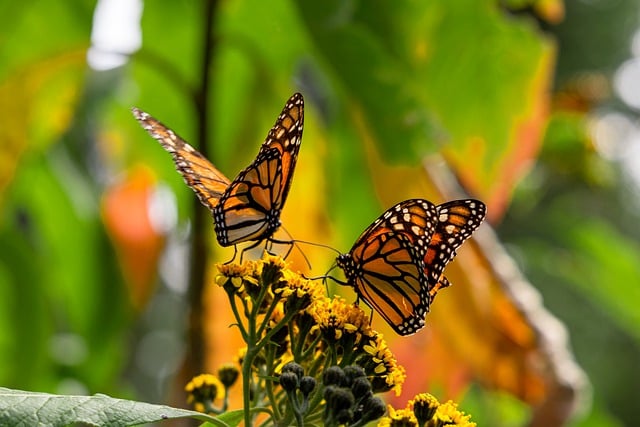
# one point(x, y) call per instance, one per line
point(457, 220)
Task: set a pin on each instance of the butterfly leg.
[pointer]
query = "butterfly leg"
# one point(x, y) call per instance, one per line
point(248, 248)
point(235, 252)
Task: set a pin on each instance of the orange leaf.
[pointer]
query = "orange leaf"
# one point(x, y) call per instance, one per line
point(138, 243)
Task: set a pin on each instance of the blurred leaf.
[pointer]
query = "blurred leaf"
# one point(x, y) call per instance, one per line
point(597, 417)
point(23, 25)
point(24, 94)
point(63, 246)
point(606, 273)
point(99, 410)
point(491, 96)
point(376, 81)
point(489, 99)
point(24, 333)
point(495, 408)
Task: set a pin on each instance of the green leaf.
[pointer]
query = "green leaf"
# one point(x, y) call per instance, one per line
point(612, 267)
point(24, 408)
point(232, 418)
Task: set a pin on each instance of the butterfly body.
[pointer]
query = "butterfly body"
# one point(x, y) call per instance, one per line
point(249, 207)
point(397, 263)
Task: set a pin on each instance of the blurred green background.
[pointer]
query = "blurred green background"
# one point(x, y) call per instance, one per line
point(531, 104)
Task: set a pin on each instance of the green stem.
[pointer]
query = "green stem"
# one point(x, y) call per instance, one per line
point(252, 351)
point(236, 314)
point(298, 415)
point(311, 348)
point(269, 386)
point(313, 369)
point(246, 383)
point(267, 337)
point(299, 340)
point(267, 316)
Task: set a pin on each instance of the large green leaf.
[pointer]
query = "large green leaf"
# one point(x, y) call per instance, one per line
point(461, 77)
point(25, 409)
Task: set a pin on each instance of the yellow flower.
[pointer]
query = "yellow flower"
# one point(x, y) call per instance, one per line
point(335, 318)
point(424, 407)
point(298, 292)
point(448, 414)
point(274, 260)
point(203, 390)
point(233, 277)
point(228, 374)
point(380, 360)
point(399, 418)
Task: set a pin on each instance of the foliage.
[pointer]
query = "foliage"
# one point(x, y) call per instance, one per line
point(21, 408)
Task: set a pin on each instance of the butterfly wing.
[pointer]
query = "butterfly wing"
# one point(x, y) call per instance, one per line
point(250, 207)
point(386, 264)
point(457, 220)
point(198, 172)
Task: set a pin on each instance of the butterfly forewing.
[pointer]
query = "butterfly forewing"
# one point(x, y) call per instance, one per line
point(457, 220)
point(198, 172)
point(392, 282)
point(247, 210)
point(250, 207)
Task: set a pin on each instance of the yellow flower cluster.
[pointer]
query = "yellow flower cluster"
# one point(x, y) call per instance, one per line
point(448, 414)
point(238, 276)
point(298, 291)
point(324, 328)
point(385, 365)
point(335, 318)
point(283, 318)
point(425, 410)
point(399, 418)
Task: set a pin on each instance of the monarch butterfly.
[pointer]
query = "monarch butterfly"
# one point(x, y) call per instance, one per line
point(247, 208)
point(397, 263)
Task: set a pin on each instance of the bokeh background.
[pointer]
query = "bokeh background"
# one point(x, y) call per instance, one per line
point(107, 259)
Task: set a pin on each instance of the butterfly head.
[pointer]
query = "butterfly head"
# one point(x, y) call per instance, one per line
point(347, 264)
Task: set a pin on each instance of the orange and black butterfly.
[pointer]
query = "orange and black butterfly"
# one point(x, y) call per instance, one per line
point(397, 264)
point(247, 208)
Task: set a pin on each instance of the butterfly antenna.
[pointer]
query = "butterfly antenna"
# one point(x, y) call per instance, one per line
point(293, 243)
point(320, 245)
point(326, 276)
